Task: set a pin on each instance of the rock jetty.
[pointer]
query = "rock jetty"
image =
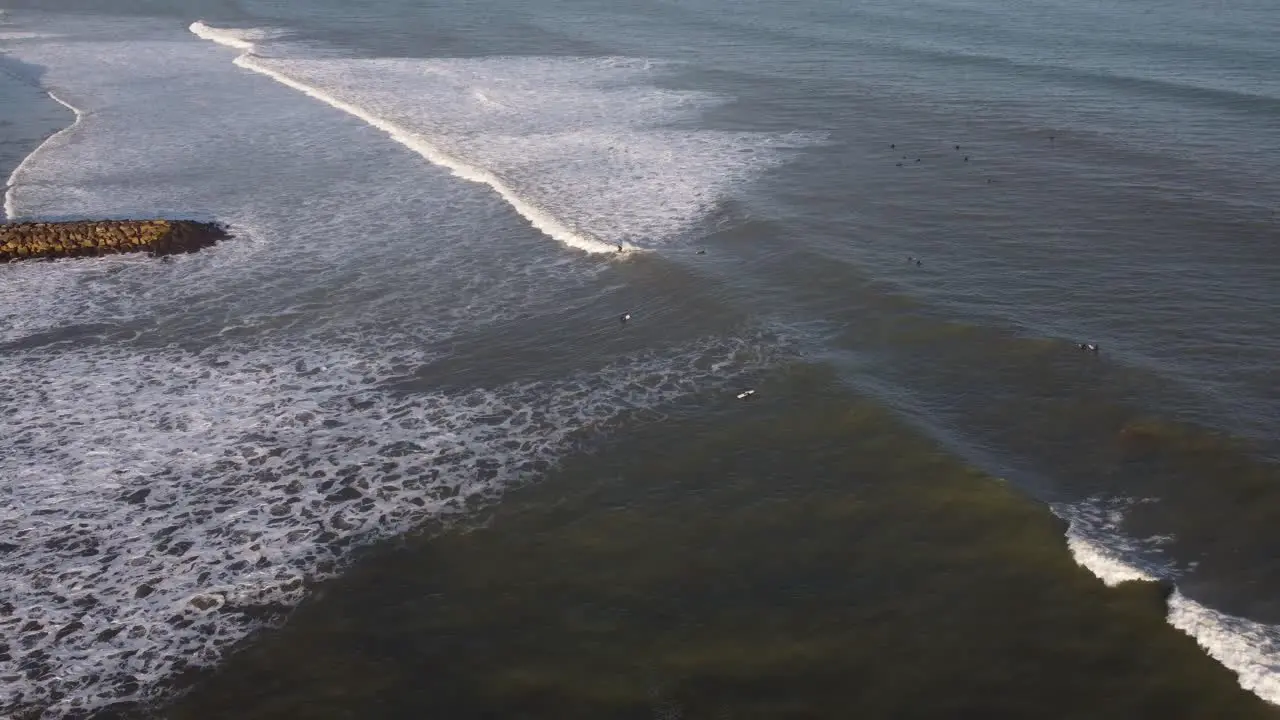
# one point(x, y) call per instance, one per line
point(49, 240)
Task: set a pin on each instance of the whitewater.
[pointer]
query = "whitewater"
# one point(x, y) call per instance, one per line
point(523, 155)
point(10, 211)
point(192, 443)
point(244, 441)
point(1250, 649)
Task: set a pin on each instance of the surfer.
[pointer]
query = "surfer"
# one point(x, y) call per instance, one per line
point(1089, 347)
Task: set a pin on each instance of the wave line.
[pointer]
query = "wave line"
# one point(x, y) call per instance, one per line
point(540, 219)
point(1249, 649)
point(12, 182)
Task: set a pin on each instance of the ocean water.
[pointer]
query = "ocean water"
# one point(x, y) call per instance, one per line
point(441, 213)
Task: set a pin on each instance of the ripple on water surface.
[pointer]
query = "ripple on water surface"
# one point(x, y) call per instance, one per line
point(798, 554)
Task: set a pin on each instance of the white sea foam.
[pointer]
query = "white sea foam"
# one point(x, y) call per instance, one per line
point(231, 37)
point(1247, 648)
point(1250, 649)
point(22, 35)
point(231, 430)
point(1098, 544)
point(151, 498)
point(334, 226)
point(157, 491)
point(15, 176)
point(575, 145)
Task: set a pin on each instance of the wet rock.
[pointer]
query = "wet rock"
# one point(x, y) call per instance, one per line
point(92, 238)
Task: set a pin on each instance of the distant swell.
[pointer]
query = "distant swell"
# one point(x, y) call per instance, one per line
point(10, 212)
point(539, 218)
point(1171, 86)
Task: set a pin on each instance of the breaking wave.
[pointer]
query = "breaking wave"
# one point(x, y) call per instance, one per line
point(580, 147)
point(1249, 649)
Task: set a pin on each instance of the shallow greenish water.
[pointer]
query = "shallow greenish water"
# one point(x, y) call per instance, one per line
point(801, 554)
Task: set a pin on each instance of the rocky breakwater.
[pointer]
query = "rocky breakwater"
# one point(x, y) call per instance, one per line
point(49, 240)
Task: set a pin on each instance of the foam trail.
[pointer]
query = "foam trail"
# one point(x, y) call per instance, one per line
point(9, 209)
point(222, 37)
point(154, 499)
point(540, 219)
point(1249, 649)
